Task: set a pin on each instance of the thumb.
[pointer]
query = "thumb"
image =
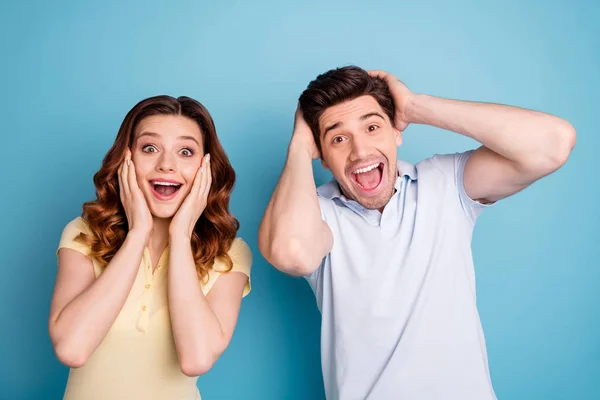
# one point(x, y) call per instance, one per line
point(401, 125)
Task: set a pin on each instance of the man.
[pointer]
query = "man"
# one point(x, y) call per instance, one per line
point(386, 245)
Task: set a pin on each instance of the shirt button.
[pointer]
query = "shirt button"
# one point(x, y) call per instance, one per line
point(143, 308)
point(147, 286)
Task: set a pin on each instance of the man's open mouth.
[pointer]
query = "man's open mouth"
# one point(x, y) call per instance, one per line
point(368, 177)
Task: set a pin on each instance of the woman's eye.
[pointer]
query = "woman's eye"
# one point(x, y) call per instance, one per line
point(149, 149)
point(187, 152)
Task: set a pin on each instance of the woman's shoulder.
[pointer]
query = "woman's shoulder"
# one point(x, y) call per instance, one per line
point(78, 224)
point(241, 257)
point(239, 249)
point(71, 232)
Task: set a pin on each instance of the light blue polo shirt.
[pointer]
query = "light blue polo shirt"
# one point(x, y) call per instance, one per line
point(397, 291)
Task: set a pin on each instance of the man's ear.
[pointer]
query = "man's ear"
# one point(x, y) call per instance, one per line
point(323, 162)
point(398, 136)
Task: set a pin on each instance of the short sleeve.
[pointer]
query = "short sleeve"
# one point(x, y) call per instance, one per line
point(241, 256)
point(70, 233)
point(327, 209)
point(326, 206)
point(455, 164)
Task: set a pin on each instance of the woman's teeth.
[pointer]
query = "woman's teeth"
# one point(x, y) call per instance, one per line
point(167, 184)
point(166, 188)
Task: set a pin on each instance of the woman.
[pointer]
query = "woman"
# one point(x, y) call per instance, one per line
point(151, 276)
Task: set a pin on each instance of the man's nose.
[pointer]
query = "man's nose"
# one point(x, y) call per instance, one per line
point(360, 147)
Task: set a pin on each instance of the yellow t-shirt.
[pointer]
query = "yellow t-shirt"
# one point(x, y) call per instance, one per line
point(137, 358)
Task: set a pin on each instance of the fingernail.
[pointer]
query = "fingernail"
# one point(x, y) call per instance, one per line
point(128, 161)
point(208, 157)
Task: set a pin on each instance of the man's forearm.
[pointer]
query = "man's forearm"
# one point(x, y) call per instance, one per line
point(526, 137)
point(290, 230)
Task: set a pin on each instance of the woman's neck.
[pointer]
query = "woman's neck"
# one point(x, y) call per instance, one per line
point(159, 239)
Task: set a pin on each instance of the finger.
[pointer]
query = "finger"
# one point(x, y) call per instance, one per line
point(385, 76)
point(206, 180)
point(132, 180)
point(205, 173)
point(299, 119)
point(209, 184)
point(120, 181)
point(124, 182)
point(378, 73)
point(134, 189)
point(119, 174)
point(198, 178)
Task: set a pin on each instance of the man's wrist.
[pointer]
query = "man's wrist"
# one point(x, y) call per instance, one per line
point(411, 109)
point(300, 147)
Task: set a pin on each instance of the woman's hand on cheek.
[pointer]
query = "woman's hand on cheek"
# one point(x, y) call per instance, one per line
point(136, 209)
point(194, 204)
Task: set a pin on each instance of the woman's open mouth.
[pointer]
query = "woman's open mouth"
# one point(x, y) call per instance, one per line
point(368, 178)
point(164, 189)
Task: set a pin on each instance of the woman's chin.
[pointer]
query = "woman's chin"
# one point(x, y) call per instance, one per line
point(163, 212)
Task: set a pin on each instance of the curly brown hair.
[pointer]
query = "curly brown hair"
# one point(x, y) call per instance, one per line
point(106, 218)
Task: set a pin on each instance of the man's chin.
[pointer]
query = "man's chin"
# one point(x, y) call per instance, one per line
point(373, 204)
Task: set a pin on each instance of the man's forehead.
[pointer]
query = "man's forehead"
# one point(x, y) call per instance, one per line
point(349, 110)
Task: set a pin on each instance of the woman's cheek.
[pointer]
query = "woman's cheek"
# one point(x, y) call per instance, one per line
point(140, 177)
point(189, 173)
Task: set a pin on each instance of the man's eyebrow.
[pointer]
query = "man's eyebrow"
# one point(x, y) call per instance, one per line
point(371, 114)
point(332, 127)
point(362, 118)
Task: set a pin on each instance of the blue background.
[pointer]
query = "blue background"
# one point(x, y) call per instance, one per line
point(70, 71)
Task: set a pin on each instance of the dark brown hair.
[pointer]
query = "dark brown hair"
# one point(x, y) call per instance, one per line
point(106, 218)
point(340, 85)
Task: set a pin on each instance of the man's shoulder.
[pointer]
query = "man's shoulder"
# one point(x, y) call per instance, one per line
point(329, 190)
point(435, 161)
point(443, 161)
point(442, 166)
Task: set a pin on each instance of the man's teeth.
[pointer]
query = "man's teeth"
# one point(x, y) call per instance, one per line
point(166, 184)
point(366, 169)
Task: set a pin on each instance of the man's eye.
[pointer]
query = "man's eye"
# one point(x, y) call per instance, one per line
point(338, 139)
point(372, 128)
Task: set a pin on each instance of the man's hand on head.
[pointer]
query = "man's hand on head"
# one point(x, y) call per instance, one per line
point(401, 95)
point(303, 137)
